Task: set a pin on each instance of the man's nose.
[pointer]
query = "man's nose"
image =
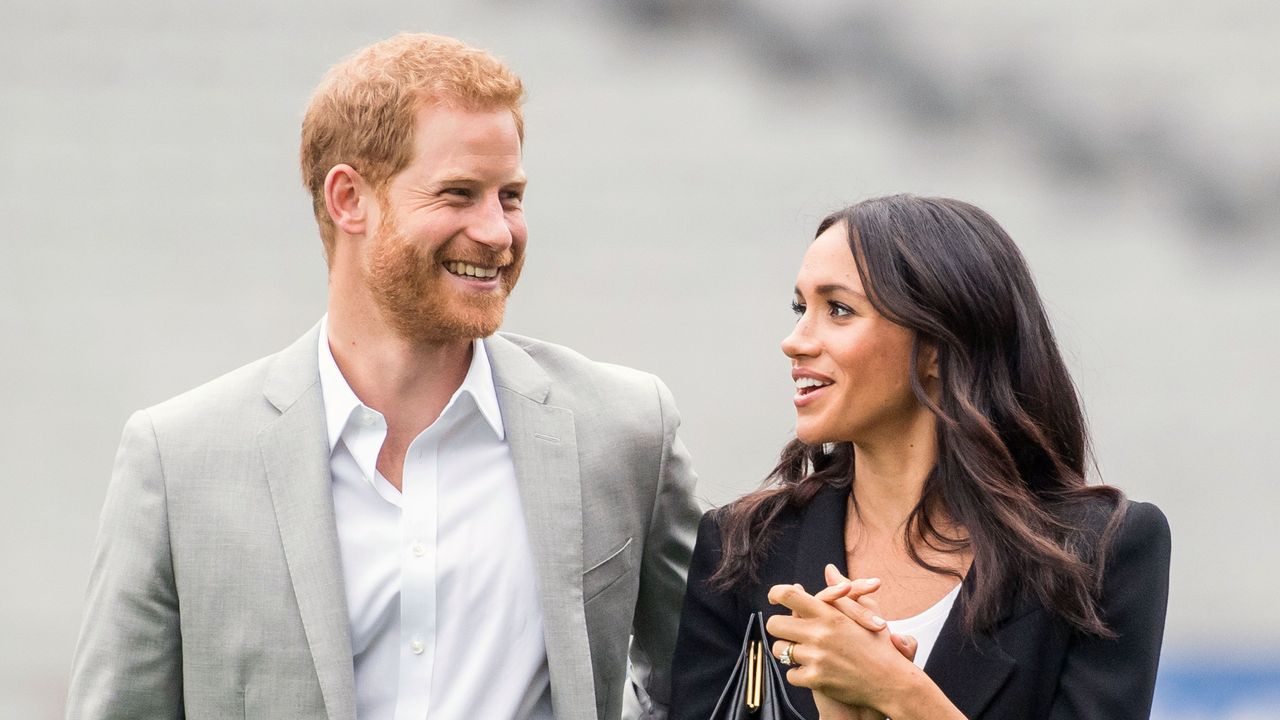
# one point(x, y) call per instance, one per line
point(489, 225)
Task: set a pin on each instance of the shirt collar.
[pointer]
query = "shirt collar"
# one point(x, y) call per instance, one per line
point(340, 400)
point(479, 384)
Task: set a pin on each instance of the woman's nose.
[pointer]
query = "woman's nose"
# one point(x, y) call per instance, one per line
point(799, 343)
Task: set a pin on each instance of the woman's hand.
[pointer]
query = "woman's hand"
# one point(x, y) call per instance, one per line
point(829, 709)
point(835, 653)
point(853, 598)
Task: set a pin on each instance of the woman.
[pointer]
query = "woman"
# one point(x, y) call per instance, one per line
point(940, 456)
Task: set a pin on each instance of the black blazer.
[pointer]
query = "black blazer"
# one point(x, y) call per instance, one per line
point(1031, 666)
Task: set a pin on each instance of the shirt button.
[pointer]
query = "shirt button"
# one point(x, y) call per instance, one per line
point(416, 647)
point(419, 550)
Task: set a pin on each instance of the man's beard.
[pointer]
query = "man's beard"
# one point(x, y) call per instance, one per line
point(419, 301)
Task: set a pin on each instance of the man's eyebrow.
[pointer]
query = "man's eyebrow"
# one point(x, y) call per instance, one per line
point(465, 179)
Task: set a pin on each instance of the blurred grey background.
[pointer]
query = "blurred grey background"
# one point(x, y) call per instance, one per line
point(156, 234)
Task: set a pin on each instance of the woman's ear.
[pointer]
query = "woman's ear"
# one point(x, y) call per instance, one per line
point(929, 360)
point(344, 198)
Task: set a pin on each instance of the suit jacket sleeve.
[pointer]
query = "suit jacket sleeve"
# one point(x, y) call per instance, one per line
point(128, 661)
point(1115, 678)
point(711, 632)
point(668, 545)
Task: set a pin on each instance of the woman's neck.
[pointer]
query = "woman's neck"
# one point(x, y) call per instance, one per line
point(889, 474)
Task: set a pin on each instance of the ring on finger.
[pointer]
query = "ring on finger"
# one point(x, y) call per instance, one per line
point(785, 658)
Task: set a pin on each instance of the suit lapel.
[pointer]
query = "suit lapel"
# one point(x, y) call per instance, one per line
point(544, 451)
point(822, 538)
point(295, 456)
point(970, 671)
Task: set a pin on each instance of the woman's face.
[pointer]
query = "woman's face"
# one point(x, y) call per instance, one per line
point(851, 366)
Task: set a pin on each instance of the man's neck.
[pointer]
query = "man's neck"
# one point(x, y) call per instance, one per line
point(408, 382)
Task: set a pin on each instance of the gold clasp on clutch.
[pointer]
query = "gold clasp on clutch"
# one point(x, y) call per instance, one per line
point(755, 675)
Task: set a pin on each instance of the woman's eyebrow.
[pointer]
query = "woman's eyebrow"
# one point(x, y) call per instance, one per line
point(831, 288)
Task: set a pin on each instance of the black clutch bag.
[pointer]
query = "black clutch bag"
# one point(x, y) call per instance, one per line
point(756, 689)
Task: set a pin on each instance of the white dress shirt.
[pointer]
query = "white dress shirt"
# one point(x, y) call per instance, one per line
point(441, 593)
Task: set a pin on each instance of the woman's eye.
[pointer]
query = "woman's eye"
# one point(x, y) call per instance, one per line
point(797, 308)
point(839, 310)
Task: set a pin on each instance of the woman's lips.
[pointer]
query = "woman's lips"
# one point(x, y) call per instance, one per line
point(807, 396)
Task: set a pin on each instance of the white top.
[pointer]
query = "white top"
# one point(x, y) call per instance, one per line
point(926, 626)
point(441, 594)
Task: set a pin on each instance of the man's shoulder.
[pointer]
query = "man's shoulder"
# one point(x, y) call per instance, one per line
point(228, 394)
point(274, 381)
point(564, 363)
point(241, 400)
point(612, 400)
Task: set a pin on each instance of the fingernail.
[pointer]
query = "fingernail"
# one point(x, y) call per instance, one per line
point(873, 581)
point(877, 621)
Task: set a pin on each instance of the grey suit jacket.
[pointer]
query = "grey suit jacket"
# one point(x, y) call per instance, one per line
point(217, 588)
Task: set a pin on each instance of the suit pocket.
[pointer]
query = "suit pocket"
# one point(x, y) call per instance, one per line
point(603, 574)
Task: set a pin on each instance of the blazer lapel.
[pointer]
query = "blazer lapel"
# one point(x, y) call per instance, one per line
point(822, 538)
point(295, 456)
point(544, 451)
point(970, 671)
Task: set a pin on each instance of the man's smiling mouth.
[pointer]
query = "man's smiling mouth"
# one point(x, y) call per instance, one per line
point(462, 269)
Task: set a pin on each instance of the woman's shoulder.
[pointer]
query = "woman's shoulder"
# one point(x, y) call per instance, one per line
point(1120, 529)
point(1144, 529)
point(760, 535)
point(787, 517)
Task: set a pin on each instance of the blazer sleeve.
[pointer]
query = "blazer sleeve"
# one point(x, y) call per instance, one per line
point(1115, 678)
point(668, 545)
point(711, 632)
point(128, 661)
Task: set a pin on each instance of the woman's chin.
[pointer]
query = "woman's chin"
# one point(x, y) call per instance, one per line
point(812, 436)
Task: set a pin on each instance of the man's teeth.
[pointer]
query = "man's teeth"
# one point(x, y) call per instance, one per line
point(804, 382)
point(461, 268)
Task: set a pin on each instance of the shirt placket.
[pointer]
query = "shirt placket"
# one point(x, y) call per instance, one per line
point(418, 592)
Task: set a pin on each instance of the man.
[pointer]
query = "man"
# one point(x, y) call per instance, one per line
point(402, 515)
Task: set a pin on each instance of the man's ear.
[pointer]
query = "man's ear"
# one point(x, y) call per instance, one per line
point(344, 197)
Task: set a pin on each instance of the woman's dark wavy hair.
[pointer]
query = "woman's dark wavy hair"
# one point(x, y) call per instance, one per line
point(1012, 444)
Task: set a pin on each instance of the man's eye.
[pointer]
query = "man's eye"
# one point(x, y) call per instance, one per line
point(458, 192)
point(512, 197)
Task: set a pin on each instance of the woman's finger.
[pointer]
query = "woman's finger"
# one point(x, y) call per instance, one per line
point(869, 602)
point(795, 599)
point(906, 645)
point(859, 613)
point(857, 588)
point(780, 646)
point(831, 592)
point(800, 677)
point(788, 627)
